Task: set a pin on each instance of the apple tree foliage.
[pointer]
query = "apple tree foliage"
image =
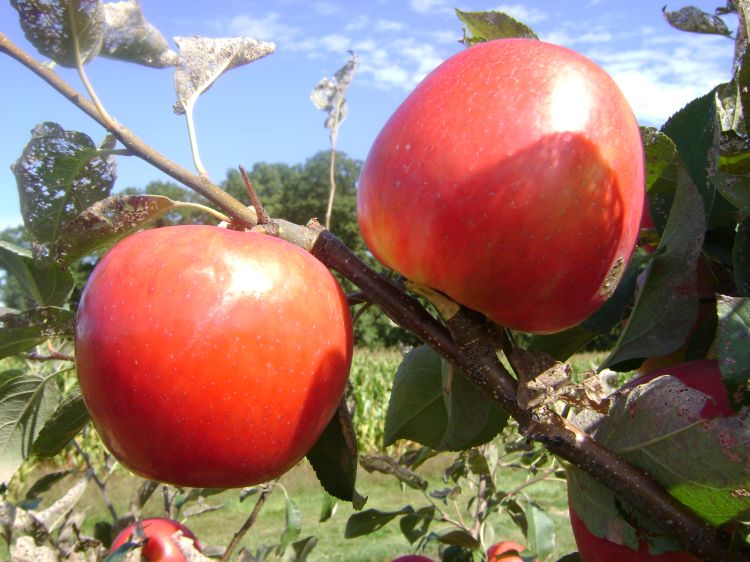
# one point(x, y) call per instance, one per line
point(698, 186)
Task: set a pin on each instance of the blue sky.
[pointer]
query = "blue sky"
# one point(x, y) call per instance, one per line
point(262, 112)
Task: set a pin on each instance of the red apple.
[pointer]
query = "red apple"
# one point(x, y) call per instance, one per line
point(158, 545)
point(702, 375)
point(511, 179)
point(505, 551)
point(209, 357)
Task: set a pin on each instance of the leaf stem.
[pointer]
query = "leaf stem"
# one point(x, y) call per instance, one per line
point(213, 212)
point(194, 143)
point(82, 72)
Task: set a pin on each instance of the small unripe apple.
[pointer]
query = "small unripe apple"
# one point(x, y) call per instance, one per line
point(158, 545)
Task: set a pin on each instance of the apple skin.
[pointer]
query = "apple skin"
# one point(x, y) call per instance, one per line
point(702, 375)
point(511, 179)
point(209, 357)
point(496, 551)
point(158, 546)
point(596, 549)
point(412, 558)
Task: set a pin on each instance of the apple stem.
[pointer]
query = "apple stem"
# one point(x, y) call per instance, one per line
point(263, 217)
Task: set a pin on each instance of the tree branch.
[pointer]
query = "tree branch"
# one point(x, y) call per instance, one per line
point(469, 345)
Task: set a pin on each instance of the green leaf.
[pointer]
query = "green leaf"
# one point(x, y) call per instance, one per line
point(732, 347)
point(129, 37)
point(741, 258)
point(106, 222)
point(66, 422)
point(59, 175)
point(334, 458)
point(415, 525)
point(416, 410)
point(370, 520)
point(473, 419)
point(486, 26)
point(300, 550)
point(50, 286)
point(734, 189)
point(694, 129)
point(695, 20)
point(292, 526)
point(667, 306)
point(44, 483)
point(26, 402)
point(437, 407)
point(327, 507)
point(52, 27)
point(22, 331)
point(541, 530)
point(657, 426)
point(663, 168)
point(456, 537)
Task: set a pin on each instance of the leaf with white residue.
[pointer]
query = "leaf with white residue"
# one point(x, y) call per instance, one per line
point(54, 27)
point(202, 60)
point(328, 94)
point(129, 37)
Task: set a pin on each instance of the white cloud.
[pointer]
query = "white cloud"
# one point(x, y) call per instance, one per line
point(522, 13)
point(389, 25)
point(424, 6)
point(268, 28)
point(659, 81)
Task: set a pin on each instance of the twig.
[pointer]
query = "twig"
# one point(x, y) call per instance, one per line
point(260, 211)
point(246, 525)
point(100, 484)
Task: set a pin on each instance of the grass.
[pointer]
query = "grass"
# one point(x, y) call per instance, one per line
point(371, 377)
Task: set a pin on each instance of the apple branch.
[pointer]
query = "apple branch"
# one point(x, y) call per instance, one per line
point(468, 342)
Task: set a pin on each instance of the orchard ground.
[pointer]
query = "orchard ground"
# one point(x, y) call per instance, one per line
point(372, 374)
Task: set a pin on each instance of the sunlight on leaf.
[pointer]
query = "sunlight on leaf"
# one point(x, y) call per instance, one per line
point(487, 26)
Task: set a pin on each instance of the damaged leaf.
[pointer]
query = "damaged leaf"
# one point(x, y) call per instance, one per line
point(129, 37)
